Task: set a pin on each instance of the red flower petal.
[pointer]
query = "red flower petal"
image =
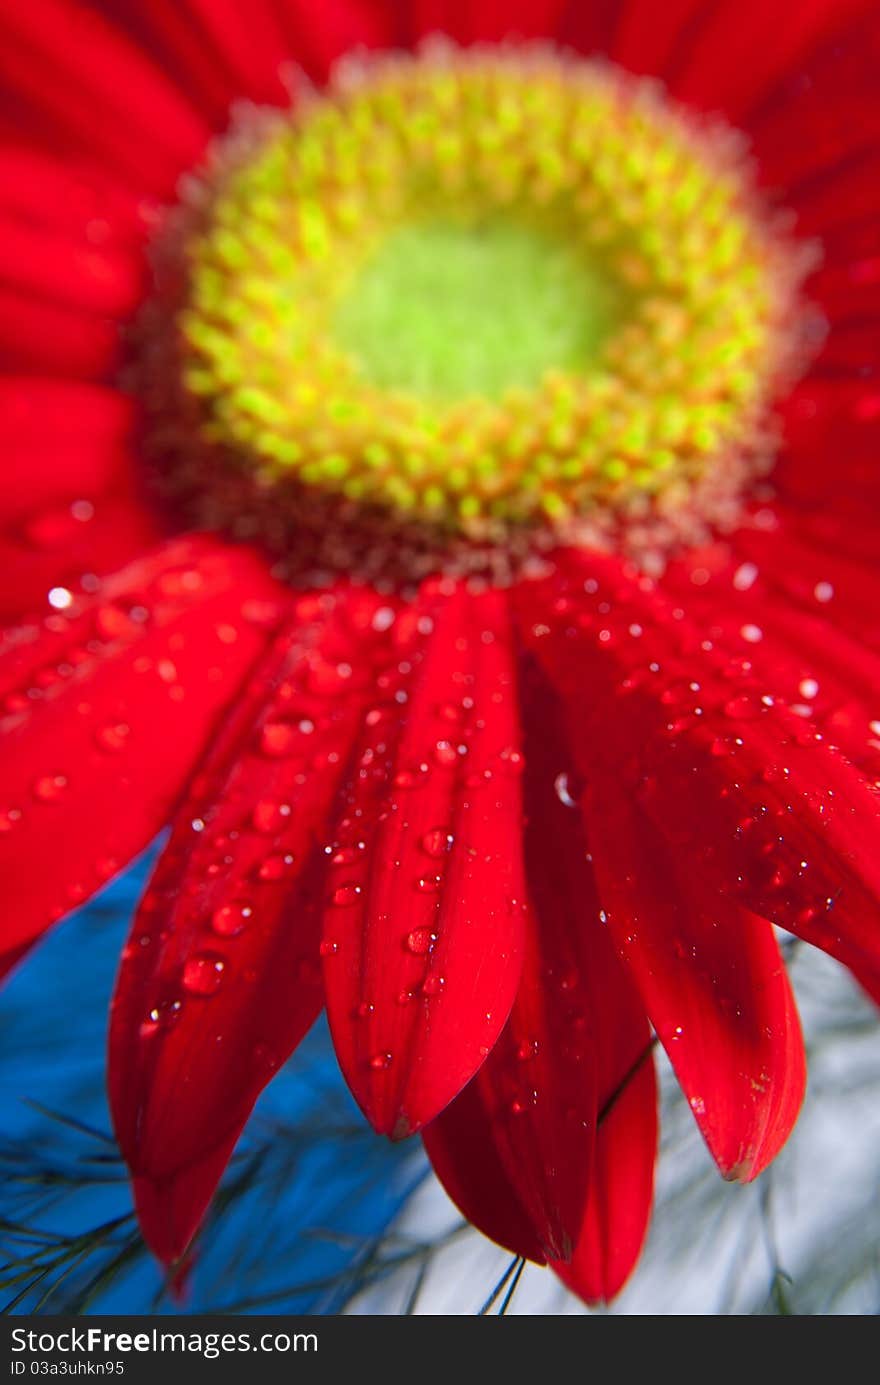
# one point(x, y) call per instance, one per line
point(535, 1098)
point(170, 1209)
point(424, 927)
point(713, 983)
point(763, 809)
point(108, 707)
point(62, 441)
point(98, 90)
point(68, 545)
point(646, 38)
point(216, 51)
point(734, 54)
point(760, 603)
point(825, 112)
point(619, 1209)
point(67, 271)
point(486, 21)
point(221, 977)
point(47, 338)
point(70, 196)
point(464, 1153)
point(318, 36)
point(525, 1126)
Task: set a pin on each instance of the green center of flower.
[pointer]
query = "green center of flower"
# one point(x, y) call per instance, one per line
point(452, 311)
point(468, 297)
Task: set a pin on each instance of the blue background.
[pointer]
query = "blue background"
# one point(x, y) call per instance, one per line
point(302, 1218)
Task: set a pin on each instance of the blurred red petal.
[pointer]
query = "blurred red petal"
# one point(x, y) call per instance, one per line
point(57, 549)
point(49, 338)
point(71, 196)
point(62, 441)
point(733, 55)
point(317, 37)
point(65, 270)
point(98, 92)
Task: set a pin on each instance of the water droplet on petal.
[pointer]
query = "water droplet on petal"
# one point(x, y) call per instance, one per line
point(560, 784)
point(231, 919)
point(420, 941)
point(275, 867)
point(278, 738)
point(345, 895)
point(437, 842)
point(429, 884)
point(202, 975)
point(114, 737)
point(269, 816)
point(445, 753)
point(50, 787)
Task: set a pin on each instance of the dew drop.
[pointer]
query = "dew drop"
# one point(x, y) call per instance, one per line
point(277, 738)
point(344, 856)
point(59, 598)
point(420, 941)
point(202, 975)
point(445, 753)
point(429, 884)
point(231, 919)
point(345, 895)
point(740, 708)
point(50, 787)
point(113, 624)
point(270, 816)
point(560, 784)
point(745, 577)
point(383, 619)
point(380, 1061)
point(513, 759)
point(114, 737)
point(437, 842)
point(275, 867)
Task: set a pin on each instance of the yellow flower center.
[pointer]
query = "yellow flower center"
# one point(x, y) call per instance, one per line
point(476, 296)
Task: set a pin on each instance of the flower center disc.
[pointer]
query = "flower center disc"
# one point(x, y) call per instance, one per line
point(465, 302)
point(454, 311)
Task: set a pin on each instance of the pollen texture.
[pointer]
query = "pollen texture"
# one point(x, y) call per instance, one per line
point(471, 297)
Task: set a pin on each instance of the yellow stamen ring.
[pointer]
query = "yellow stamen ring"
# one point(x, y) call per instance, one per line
point(641, 309)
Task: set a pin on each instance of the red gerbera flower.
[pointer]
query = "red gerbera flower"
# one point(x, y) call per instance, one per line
point(502, 701)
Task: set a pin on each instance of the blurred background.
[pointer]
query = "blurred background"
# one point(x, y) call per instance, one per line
point(318, 1215)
